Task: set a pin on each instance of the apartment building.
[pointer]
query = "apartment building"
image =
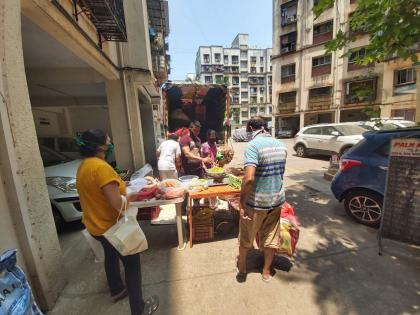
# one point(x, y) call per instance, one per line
point(311, 86)
point(246, 70)
point(67, 66)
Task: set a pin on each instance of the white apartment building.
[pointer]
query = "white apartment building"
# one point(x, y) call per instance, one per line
point(311, 86)
point(246, 70)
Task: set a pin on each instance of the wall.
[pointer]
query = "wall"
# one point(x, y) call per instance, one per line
point(84, 118)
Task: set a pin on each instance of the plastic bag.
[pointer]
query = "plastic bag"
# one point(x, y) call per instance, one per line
point(289, 230)
point(146, 170)
point(15, 293)
point(95, 246)
point(136, 185)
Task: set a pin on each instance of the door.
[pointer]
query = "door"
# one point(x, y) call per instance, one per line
point(329, 141)
point(312, 137)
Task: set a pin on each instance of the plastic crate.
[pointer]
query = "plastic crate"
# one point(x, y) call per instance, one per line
point(146, 214)
point(203, 232)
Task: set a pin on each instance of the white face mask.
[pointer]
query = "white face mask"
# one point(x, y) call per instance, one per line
point(252, 134)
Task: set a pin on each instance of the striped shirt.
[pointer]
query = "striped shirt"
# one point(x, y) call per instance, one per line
point(268, 155)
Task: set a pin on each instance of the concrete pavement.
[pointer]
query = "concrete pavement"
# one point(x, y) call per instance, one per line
point(336, 270)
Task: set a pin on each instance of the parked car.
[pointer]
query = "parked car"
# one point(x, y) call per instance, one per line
point(63, 144)
point(389, 123)
point(60, 174)
point(327, 139)
point(286, 132)
point(240, 135)
point(360, 182)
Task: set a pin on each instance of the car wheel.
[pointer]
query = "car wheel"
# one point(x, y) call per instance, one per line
point(364, 206)
point(344, 150)
point(58, 219)
point(300, 150)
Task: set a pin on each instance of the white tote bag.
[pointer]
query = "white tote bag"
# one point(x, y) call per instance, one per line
point(126, 235)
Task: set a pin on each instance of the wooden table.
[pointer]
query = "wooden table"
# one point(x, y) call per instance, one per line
point(215, 191)
point(178, 205)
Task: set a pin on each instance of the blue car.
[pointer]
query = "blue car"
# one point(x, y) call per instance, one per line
point(361, 179)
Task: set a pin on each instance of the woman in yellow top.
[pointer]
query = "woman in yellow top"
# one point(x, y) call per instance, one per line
point(100, 189)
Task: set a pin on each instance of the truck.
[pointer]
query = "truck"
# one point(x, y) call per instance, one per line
point(184, 102)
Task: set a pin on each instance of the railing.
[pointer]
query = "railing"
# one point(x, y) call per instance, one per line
point(107, 16)
point(320, 102)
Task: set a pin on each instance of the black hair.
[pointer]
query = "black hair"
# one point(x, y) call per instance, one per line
point(209, 132)
point(89, 141)
point(173, 136)
point(257, 123)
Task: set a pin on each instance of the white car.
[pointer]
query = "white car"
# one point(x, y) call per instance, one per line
point(327, 139)
point(389, 123)
point(60, 174)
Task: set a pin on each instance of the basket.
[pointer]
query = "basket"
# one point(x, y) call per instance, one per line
point(203, 232)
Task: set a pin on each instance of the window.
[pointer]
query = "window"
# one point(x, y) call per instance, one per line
point(226, 59)
point(67, 145)
point(244, 64)
point(323, 28)
point(208, 79)
point(262, 110)
point(288, 70)
point(235, 80)
point(384, 149)
point(270, 109)
point(261, 69)
point(235, 60)
point(356, 54)
point(405, 76)
point(244, 55)
point(206, 58)
point(359, 91)
point(244, 94)
point(253, 59)
point(243, 75)
point(244, 114)
point(244, 85)
point(253, 110)
point(253, 70)
point(261, 99)
point(217, 58)
point(288, 42)
point(288, 13)
point(261, 60)
point(262, 89)
point(219, 79)
point(288, 97)
point(313, 131)
point(323, 91)
point(321, 61)
point(253, 90)
point(327, 131)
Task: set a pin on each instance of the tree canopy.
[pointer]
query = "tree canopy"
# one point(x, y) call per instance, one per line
point(393, 27)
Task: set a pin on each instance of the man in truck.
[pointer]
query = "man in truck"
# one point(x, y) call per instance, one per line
point(191, 159)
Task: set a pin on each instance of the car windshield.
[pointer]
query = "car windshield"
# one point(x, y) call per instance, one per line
point(51, 157)
point(350, 130)
point(407, 123)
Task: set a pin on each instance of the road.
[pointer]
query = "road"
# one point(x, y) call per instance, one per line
point(307, 171)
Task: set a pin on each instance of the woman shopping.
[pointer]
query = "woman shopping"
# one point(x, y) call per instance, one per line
point(100, 189)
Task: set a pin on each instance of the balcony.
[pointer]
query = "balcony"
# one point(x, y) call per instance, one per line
point(218, 68)
point(287, 79)
point(288, 13)
point(360, 91)
point(107, 16)
point(322, 33)
point(320, 102)
point(321, 70)
point(288, 48)
point(256, 81)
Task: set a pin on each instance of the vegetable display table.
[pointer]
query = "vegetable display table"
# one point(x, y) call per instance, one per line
point(214, 191)
point(158, 202)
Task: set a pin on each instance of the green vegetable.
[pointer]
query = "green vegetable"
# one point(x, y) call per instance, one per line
point(235, 181)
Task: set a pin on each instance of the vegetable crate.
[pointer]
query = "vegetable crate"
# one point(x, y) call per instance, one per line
point(149, 213)
point(203, 231)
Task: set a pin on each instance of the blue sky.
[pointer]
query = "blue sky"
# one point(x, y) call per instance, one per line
point(214, 22)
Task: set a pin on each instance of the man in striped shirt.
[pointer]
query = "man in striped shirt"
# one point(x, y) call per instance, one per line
point(262, 195)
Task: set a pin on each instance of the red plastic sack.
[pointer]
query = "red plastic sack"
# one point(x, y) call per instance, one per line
point(289, 230)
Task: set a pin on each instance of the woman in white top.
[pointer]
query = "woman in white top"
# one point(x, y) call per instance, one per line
point(169, 157)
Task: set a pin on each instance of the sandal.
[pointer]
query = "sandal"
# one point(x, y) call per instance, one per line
point(267, 280)
point(151, 305)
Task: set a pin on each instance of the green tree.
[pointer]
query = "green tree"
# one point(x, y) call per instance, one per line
point(393, 27)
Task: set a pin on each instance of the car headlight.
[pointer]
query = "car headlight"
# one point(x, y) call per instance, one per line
point(65, 184)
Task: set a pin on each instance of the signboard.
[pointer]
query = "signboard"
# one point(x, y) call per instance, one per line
point(401, 213)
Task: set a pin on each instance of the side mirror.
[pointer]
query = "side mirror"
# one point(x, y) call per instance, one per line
point(335, 133)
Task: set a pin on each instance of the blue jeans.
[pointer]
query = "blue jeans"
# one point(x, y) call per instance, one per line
point(132, 270)
point(15, 293)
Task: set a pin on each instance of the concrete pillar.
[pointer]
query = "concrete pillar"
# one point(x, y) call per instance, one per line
point(302, 120)
point(26, 216)
point(337, 115)
point(120, 125)
point(417, 67)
